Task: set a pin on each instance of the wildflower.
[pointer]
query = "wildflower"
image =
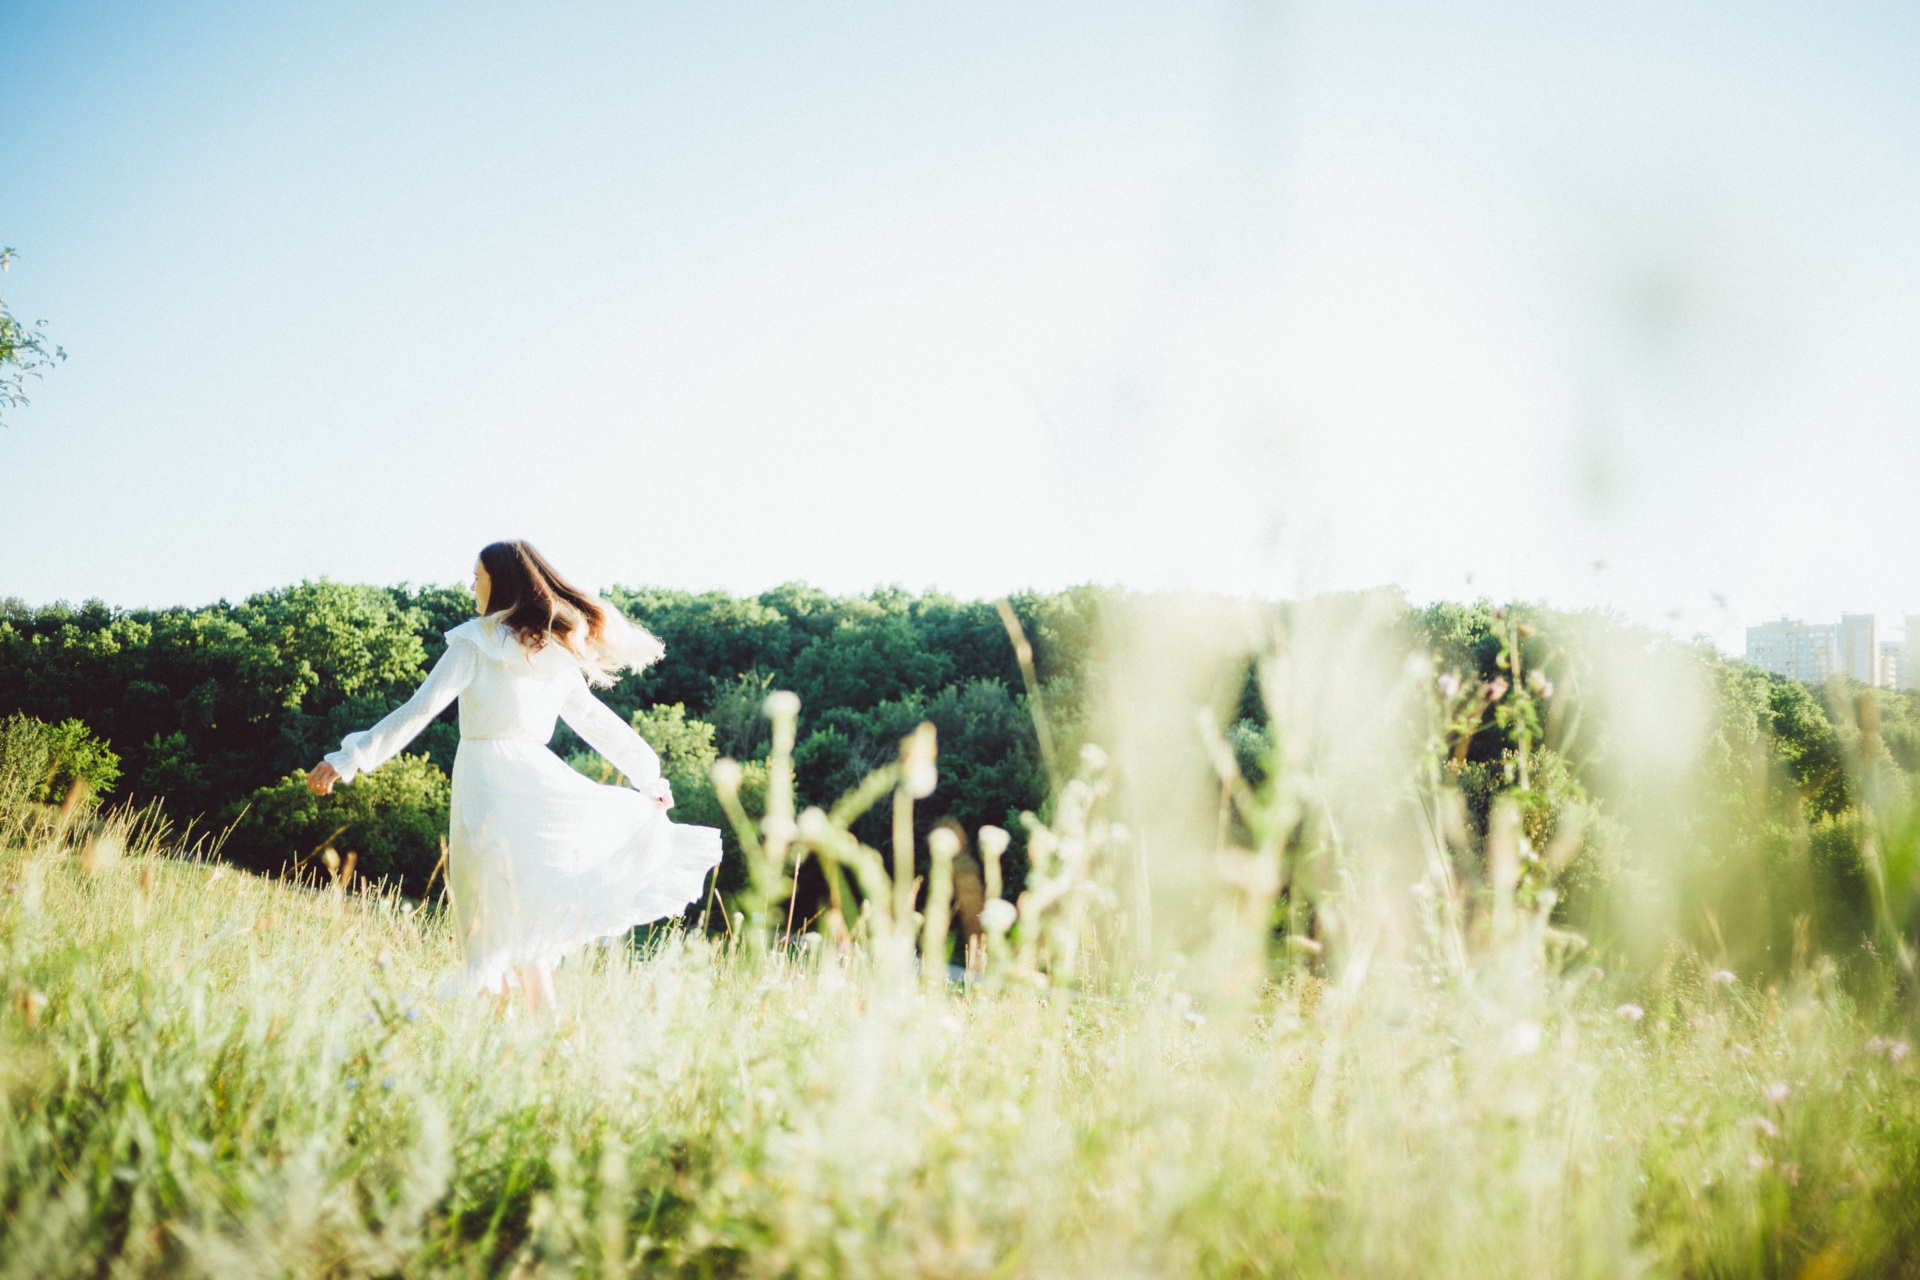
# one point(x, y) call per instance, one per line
point(1898, 1050)
point(413, 1015)
point(1763, 1124)
point(781, 703)
point(1631, 1012)
point(1724, 976)
point(1449, 685)
point(1541, 686)
point(994, 841)
point(1495, 689)
point(1756, 1161)
point(352, 1084)
point(1778, 1091)
point(1093, 757)
point(917, 764)
point(1194, 1019)
point(998, 915)
point(387, 1083)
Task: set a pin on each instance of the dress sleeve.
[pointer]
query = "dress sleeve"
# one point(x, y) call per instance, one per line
point(612, 737)
point(368, 749)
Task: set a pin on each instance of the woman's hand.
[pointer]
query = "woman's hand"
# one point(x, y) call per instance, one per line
point(661, 793)
point(321, 778)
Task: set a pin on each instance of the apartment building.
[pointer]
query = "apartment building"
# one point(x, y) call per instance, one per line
point(1859, 641)
point(1852, 647)
point(1800, 650)
point(1895, 669)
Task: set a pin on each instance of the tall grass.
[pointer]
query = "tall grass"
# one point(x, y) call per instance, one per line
point(208, 1073)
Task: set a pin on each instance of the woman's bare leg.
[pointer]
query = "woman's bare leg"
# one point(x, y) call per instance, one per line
point(536, 984)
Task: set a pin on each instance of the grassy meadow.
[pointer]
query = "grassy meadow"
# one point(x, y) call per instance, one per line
point(1297, 1028)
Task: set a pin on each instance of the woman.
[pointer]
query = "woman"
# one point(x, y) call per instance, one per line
point(541, 859)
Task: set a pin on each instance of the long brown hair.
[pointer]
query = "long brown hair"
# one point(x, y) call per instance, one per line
point(533, 601)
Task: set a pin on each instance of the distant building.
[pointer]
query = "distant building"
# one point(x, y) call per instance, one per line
point(1812, 651)
point(1895, 669)
point(1859, 636)
point(1799, 650)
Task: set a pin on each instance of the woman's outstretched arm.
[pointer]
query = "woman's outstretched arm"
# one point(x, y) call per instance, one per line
point(370, 748)
point(615, 739)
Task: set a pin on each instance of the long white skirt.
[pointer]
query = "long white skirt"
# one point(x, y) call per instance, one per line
point(543, 860)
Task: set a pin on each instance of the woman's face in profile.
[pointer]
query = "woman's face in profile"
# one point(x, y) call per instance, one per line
point(482, 587)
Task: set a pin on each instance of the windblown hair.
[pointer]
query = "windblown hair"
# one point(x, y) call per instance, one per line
point(532, 600)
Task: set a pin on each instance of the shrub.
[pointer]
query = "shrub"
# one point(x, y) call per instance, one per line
point(393, 819)
point(40, 762)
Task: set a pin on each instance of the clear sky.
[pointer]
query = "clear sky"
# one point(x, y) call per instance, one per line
point(1471, 297)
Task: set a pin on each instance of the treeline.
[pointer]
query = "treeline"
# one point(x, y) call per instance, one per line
point(218, 711)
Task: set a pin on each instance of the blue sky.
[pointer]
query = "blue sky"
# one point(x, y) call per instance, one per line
point(1469, 297)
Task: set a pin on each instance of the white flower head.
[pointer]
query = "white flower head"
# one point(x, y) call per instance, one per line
point(1631, 1012)
point(918, 769)
point(781, 703)
point(998, 915)
point(1725, 976)
point(814, 825)
point(994, 841)
point(1778, 1091)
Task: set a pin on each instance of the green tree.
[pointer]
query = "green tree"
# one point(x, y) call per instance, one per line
point(24, 352)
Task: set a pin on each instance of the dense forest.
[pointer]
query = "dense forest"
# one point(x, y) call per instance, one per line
point(217, 711)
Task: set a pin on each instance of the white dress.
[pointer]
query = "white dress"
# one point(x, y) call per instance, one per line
point(541, 860)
